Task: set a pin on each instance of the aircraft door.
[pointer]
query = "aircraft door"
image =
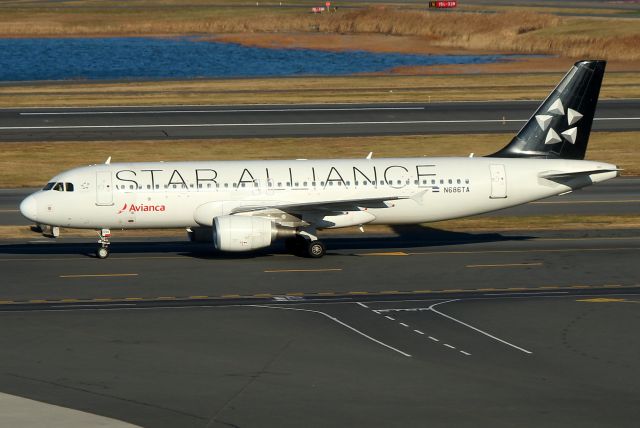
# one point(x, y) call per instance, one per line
point(498, 182)
point(104, 188)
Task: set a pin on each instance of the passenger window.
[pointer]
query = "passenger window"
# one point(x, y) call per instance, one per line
point(68, 187)
point(459, 181)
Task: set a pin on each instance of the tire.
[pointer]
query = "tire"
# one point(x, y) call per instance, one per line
point(315, 249)
point(102, 252)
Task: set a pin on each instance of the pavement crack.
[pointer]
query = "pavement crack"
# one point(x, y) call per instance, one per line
point(253, 378)
point(102, 394)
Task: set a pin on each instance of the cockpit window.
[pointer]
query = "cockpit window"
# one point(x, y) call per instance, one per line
point(68, 187)
point(48, 186)
point(59, 187)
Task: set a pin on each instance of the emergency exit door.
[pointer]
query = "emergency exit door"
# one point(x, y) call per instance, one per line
point(498, 182)
point(104, 188)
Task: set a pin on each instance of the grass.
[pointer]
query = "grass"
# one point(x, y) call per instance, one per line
point(511, 31)
point(305, 90)
point(472, 224)
point(32, 164)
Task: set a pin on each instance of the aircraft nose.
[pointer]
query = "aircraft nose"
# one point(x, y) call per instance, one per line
point(29, 208)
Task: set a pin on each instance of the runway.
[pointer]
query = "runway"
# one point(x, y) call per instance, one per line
point(516, 329)
point(173, 122)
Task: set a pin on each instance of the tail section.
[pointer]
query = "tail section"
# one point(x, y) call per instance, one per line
point(560, 127)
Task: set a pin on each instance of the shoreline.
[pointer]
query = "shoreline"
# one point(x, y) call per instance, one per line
point(515, 62)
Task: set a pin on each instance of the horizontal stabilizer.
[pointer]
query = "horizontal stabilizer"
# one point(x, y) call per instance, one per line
point(560, 174)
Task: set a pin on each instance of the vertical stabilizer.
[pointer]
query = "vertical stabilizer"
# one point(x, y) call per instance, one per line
point(560, 127)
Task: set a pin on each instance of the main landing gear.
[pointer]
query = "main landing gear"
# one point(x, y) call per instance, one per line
point(102, 252)
point(305, 245)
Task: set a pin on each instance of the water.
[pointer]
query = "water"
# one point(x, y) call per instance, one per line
point(158, 58)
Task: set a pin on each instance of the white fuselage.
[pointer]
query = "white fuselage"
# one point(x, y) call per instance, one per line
point(172, 194)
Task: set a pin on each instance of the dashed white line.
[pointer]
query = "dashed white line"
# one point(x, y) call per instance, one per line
point(363, 305)
point(465, 353)
point(389, 318)
point(418, 331)
point(404, 325)
point(434, 339)
point(449, 346)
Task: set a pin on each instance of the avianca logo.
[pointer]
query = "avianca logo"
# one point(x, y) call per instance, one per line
point(133, 208)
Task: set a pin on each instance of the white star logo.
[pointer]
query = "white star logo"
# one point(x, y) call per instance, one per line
point(573, 116)
point(570, 135)
point(556, 107)
point(552, 137)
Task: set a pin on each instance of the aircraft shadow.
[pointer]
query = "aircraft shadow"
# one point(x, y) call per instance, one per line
point(406, 237)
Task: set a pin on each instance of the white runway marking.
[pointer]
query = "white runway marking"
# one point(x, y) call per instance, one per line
point(475, 328)
point(280, 110)
point(389, 318)
point(465, 353)
point(434, 339)
point(363, 305)
point(267, 124)
point(449, 346)
point(263, 124)
point(332, 318)
point(403, 324)
point(418, 331)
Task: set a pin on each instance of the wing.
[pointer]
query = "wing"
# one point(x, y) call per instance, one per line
point(319, 207)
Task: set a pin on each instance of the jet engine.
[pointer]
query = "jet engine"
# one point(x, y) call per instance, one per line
point(242, 233)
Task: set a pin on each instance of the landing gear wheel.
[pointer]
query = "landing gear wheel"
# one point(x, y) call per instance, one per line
point(315, 249)
point(102, 252)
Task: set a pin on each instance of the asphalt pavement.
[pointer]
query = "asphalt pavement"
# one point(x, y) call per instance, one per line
point(172, 122)
point(433, 328)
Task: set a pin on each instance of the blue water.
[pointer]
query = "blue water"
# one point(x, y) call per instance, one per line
point(157, 58)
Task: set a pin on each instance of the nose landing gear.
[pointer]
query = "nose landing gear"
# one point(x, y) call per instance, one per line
point(102, 252)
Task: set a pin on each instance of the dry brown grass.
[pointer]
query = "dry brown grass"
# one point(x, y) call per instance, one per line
point(472, 224)
point(511, 31)
point(30, 164)
point(307, 90)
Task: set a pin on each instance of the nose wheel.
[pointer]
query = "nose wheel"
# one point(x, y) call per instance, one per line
point(102, 252)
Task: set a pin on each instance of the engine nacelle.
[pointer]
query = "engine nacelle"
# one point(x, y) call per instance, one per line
point(241, 233)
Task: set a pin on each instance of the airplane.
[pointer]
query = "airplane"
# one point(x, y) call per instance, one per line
point(247, 205)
